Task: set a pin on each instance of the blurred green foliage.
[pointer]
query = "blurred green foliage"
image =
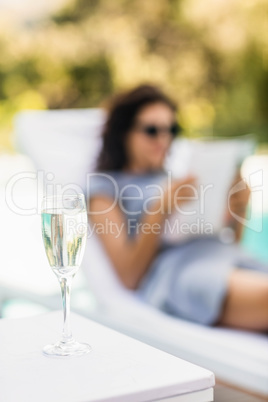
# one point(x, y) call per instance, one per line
point(210, 56)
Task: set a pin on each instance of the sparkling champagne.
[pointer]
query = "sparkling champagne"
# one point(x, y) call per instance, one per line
point(64, 237)
point(64, 231)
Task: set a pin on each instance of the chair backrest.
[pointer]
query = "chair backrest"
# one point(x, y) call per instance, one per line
point(66, 143)
point(62, 142)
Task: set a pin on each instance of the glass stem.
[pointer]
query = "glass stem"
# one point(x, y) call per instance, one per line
point(65, 284)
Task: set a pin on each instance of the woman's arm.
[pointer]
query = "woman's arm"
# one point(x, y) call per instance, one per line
point(132, 256)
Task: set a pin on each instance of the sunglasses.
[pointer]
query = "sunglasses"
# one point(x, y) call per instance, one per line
point(153, 131)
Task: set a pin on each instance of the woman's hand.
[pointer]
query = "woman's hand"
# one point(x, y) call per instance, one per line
point(239, 198)
point(237, 205)
point(178, 192)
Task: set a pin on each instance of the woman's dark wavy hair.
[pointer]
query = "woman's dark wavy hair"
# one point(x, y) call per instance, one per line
point(121, 117)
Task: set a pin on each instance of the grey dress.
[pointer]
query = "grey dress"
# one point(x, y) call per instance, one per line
point(187, 280)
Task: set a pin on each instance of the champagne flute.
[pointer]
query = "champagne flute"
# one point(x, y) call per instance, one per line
point(64, 231)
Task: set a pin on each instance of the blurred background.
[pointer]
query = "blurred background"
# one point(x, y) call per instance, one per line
point(211, 56)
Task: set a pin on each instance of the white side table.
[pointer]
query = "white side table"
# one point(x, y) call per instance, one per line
point(118, 369)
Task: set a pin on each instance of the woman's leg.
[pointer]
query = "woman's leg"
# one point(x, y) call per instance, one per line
point(246, 303)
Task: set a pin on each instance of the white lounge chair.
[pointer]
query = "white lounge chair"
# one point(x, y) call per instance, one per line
point(66, 143)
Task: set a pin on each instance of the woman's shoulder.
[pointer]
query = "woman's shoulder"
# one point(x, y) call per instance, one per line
point(102, 183)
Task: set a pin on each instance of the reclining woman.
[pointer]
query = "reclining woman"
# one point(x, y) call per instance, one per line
point(201, 279)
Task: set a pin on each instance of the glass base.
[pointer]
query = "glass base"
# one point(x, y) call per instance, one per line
point(65, 349)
